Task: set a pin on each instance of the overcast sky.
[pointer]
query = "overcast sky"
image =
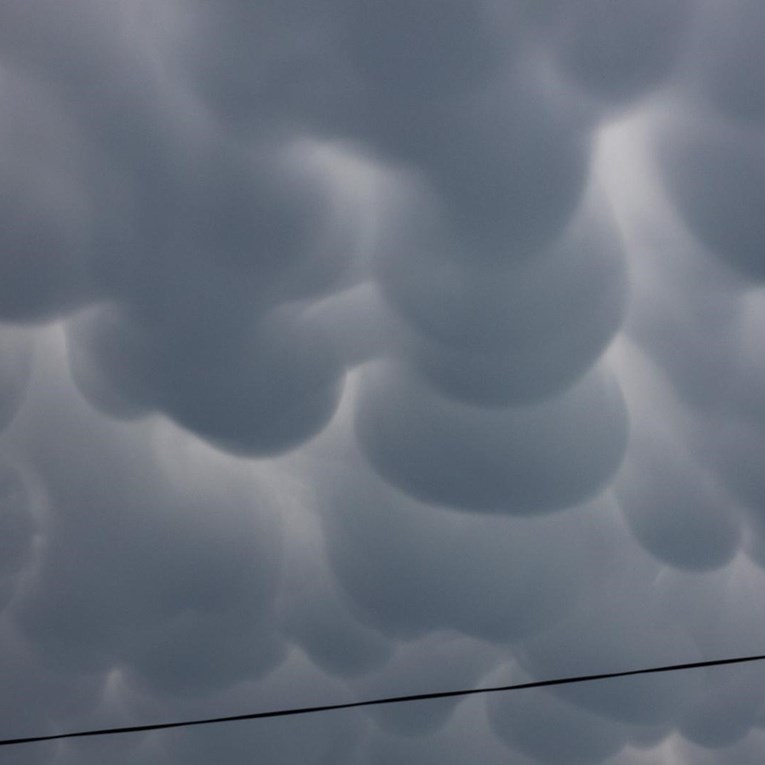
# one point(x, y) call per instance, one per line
point(370, 347)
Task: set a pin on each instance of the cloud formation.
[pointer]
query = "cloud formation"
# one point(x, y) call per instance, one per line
point(353, 348)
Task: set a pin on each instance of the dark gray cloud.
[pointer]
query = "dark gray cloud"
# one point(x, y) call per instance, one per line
point(684, 515)
point(526, 722)
point(519, 460)
point(621, 50)
point(354, 348)
point(281, 385)
point(18, 527)
point(411, 567)
point(16, 358)
point(715, 177)
point(729, 62)
point(197, 559)
point(513, 331)
point(44, 223)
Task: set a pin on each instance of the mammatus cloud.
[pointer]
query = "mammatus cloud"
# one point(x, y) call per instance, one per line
point(354, 348)
point(414, 438)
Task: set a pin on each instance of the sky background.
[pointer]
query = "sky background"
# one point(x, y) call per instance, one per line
point(355, 348)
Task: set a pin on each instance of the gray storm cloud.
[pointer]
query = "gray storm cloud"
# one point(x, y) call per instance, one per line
point(353, 348)
point(415, 438)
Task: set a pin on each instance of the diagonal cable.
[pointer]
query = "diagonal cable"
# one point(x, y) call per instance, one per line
point(380, 701)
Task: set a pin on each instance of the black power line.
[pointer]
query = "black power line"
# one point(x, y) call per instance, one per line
point(377, 702)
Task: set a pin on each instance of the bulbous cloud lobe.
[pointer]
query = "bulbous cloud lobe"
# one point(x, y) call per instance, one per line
point(419, 441)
